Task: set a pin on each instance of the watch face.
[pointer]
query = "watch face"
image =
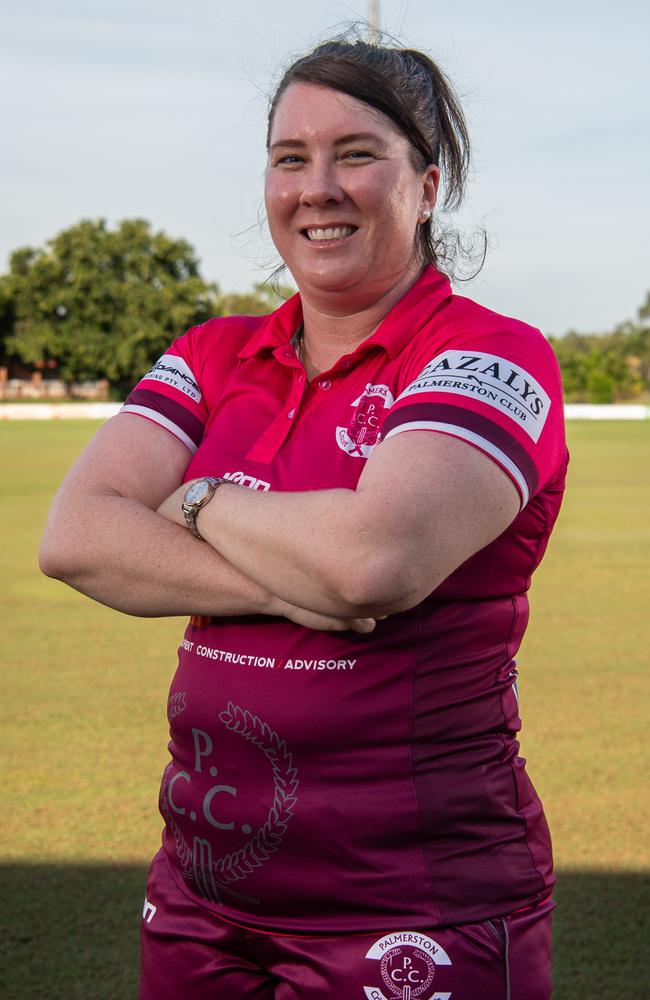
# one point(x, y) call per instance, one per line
point(197, 492)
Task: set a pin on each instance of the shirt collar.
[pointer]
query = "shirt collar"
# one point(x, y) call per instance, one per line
point(276, 330)
point(413, 310)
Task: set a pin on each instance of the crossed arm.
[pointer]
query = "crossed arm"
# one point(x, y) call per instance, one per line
point(104, 538)
point(424, 504)
point(327, 559)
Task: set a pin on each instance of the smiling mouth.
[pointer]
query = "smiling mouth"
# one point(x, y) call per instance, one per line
point(331, 233)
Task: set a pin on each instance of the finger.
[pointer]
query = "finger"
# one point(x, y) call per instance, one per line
point(362, 625)
point(331, 624)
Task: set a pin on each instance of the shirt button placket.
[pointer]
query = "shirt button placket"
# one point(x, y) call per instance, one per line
point(296, 394)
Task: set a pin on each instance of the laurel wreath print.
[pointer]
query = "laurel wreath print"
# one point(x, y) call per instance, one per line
point(266, 841)
point(183, 849)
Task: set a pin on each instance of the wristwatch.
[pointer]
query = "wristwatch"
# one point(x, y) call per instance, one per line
point(196, 497)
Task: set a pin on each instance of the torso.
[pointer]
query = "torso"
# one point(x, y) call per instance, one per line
point(328, 781)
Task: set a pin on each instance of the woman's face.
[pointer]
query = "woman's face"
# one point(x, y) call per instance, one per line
point(342, 196)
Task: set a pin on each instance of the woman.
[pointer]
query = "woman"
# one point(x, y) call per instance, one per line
point(346, 814)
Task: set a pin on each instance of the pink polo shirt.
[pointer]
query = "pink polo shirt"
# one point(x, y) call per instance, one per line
point(327, 782)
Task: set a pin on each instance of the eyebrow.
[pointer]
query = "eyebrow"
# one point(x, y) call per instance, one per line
point(352, 137)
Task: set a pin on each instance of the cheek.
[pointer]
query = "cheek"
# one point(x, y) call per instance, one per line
point(395, 201)
point(400, 212)
point(279, 200)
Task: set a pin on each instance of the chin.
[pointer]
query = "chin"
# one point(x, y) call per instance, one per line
point(331, 280)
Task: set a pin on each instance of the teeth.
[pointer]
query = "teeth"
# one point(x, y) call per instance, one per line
point(336, 233)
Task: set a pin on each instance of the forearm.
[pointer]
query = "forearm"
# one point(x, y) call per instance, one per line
point(120, 553)
point(421, 508)
point(317, 548)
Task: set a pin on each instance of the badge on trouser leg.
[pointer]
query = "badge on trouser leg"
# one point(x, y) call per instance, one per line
point(407, 967)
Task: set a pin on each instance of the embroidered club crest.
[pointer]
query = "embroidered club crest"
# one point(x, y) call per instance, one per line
point(363, 432)
point(408, 964)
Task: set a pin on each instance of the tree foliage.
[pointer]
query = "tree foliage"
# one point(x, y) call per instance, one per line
point(6, 318)
point(102, 303)
point(607, 367)
point(263, 299)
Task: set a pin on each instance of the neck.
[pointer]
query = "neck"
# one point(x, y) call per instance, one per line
point(336, 325)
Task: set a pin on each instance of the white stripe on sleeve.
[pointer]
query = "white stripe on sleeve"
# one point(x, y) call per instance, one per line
point(472, 438)
point(159, 418)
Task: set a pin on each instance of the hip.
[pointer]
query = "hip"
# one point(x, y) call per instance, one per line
point(189, 951)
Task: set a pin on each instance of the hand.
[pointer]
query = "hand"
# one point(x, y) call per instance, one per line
point(171, 509)
point(322, 623)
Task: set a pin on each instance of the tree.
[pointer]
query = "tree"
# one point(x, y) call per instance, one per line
point(599, 368)
point(600, 386)
point(638, 340)
point(6, 320)
point(103, 303)
point(264, 298)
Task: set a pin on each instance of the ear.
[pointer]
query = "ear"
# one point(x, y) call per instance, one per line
point(430, 184)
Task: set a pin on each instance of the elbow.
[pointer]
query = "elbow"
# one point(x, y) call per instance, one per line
point(55, 560)
point(65, 545)
point(383, 582)
point(50, 560)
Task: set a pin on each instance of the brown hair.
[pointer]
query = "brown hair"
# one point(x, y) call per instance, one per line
point(412, 91)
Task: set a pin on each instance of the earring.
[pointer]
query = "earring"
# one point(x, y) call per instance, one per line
point(425, 215)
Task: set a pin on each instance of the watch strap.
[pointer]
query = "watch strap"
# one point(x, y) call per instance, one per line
point(190, 510)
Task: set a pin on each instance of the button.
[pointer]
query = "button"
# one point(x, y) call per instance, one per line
point(291, 414)
point(325, 384)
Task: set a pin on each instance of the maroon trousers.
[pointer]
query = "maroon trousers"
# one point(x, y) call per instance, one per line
point(188, 953)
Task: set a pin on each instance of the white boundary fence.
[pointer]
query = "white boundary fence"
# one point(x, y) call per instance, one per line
point(612, 411)
point(102, 411)
point(58, 411)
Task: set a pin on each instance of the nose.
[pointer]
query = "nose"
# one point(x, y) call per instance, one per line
point(321, 185)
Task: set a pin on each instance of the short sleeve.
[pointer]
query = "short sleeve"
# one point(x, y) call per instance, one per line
point(501, 394)
point(170, 393)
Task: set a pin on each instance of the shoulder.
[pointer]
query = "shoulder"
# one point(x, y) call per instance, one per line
point(177, 392)
point(489, 379)
point(431, 317)
point(462, 319)
point(464, 337)
point(219, 339)
point(219, 344)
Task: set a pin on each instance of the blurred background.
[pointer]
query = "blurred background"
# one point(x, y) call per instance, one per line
point(132, 139)
point(156, 110)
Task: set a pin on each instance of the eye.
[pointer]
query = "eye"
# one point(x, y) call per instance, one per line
point(358, 154)
point(288, 160)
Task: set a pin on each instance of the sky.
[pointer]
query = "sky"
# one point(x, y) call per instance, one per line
point(156, 109)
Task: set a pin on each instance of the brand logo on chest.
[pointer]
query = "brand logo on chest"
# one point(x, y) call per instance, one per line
point(363, 432)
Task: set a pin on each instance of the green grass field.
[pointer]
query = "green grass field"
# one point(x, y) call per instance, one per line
point(84, 734)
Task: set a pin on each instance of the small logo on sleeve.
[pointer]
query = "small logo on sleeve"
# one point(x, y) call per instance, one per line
point(173, 371)
point(363, 433)
point(494, 380)
point(409, 963)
